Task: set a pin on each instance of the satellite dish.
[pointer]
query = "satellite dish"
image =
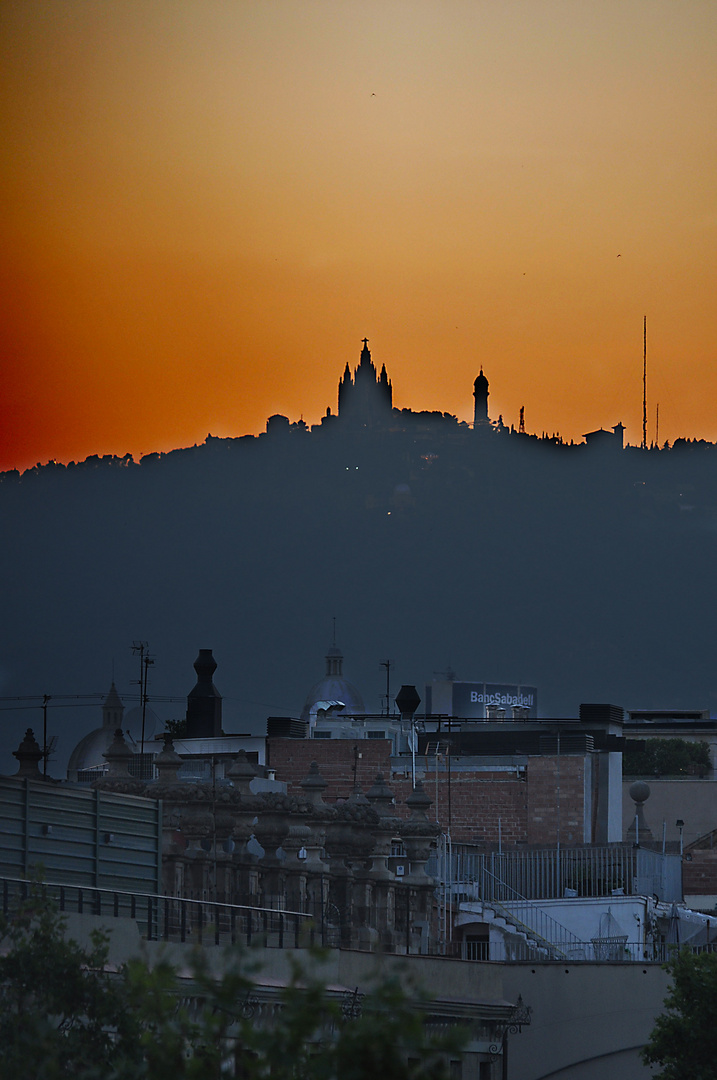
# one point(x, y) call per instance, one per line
point(132, 723)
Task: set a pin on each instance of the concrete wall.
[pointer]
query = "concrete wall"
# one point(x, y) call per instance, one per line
point(589, 1021)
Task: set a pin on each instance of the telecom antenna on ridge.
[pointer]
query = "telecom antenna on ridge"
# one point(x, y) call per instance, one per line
point(644, 383)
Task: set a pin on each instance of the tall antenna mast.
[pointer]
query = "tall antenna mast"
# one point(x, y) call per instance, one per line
point(657, 427)
point(644, 383)
point(387, 665)
point(145, 660)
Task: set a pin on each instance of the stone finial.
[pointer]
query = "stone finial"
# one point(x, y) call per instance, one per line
point(168, 761)
point(418, 832)
point(29, 755)
point(418, 801)
point(380, 794)
point(118, 756)
point(241, 773)
point(314, 785)
point(118, 777)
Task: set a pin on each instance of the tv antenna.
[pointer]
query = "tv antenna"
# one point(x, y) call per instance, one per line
point(145, 662)
point(387, 665)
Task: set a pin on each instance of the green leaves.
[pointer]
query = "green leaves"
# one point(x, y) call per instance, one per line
point(64, 1013)
point(684, 1038)
point(60, 1010)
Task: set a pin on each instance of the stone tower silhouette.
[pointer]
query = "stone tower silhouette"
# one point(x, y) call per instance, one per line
point(480, 393)
point(366, 399)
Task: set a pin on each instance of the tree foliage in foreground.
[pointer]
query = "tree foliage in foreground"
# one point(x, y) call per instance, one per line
point(64, 1013)
point(684, 1039)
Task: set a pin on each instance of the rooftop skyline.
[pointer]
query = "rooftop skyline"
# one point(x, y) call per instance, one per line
point(207, 207)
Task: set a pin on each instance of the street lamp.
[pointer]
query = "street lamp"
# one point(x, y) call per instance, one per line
point(680, 825)
point(408, 700)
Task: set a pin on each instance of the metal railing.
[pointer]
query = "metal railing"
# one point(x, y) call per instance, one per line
point(543, 933)
point(549, 873)
point(178, 919)
point(628, 952)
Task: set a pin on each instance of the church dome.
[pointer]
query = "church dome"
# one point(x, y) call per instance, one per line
point(333, 693)
point(89, 752)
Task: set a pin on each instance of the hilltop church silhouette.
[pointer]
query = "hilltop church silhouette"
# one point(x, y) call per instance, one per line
point(366, 397)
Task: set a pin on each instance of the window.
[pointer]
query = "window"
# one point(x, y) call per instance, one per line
point(375, 734)
point(322, 734)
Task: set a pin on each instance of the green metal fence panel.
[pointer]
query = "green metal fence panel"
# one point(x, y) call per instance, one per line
point(80, 837)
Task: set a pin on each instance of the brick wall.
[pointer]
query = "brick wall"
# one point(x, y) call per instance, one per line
point(551, 817)
point(699, 874)
point(474, 804)
point(479, 806)
point(335, 757)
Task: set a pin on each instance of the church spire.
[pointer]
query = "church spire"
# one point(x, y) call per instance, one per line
point(112, 709)
point(366, 400)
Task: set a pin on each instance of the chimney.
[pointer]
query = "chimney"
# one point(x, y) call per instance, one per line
point(204, 702)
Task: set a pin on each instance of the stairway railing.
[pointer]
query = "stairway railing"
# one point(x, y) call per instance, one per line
point(527, 916)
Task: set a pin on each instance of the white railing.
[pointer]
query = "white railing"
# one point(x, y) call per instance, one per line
point(549, 873)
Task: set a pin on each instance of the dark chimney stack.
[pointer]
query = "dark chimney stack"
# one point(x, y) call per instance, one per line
point(204, 702)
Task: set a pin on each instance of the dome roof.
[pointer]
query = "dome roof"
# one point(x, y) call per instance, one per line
point(333, 690)
point(90, 750)
point(89, 753)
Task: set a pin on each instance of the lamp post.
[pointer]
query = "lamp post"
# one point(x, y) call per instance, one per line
point(408, 700)
point(680, 825)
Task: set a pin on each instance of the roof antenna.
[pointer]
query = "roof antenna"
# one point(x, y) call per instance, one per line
point(334, 622)
point(644, 383)
point(387, 665)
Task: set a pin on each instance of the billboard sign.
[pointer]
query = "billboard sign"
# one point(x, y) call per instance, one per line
point(497, 701)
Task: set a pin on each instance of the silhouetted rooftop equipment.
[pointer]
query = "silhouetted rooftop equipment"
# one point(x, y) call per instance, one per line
point(661, 716)
point(611, 714)
point(507, 740)
point(286, 727)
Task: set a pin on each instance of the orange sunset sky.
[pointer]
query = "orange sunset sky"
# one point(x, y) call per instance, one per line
point(206, 205)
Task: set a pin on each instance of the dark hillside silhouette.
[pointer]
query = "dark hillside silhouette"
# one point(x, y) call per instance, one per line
point(585, 571)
